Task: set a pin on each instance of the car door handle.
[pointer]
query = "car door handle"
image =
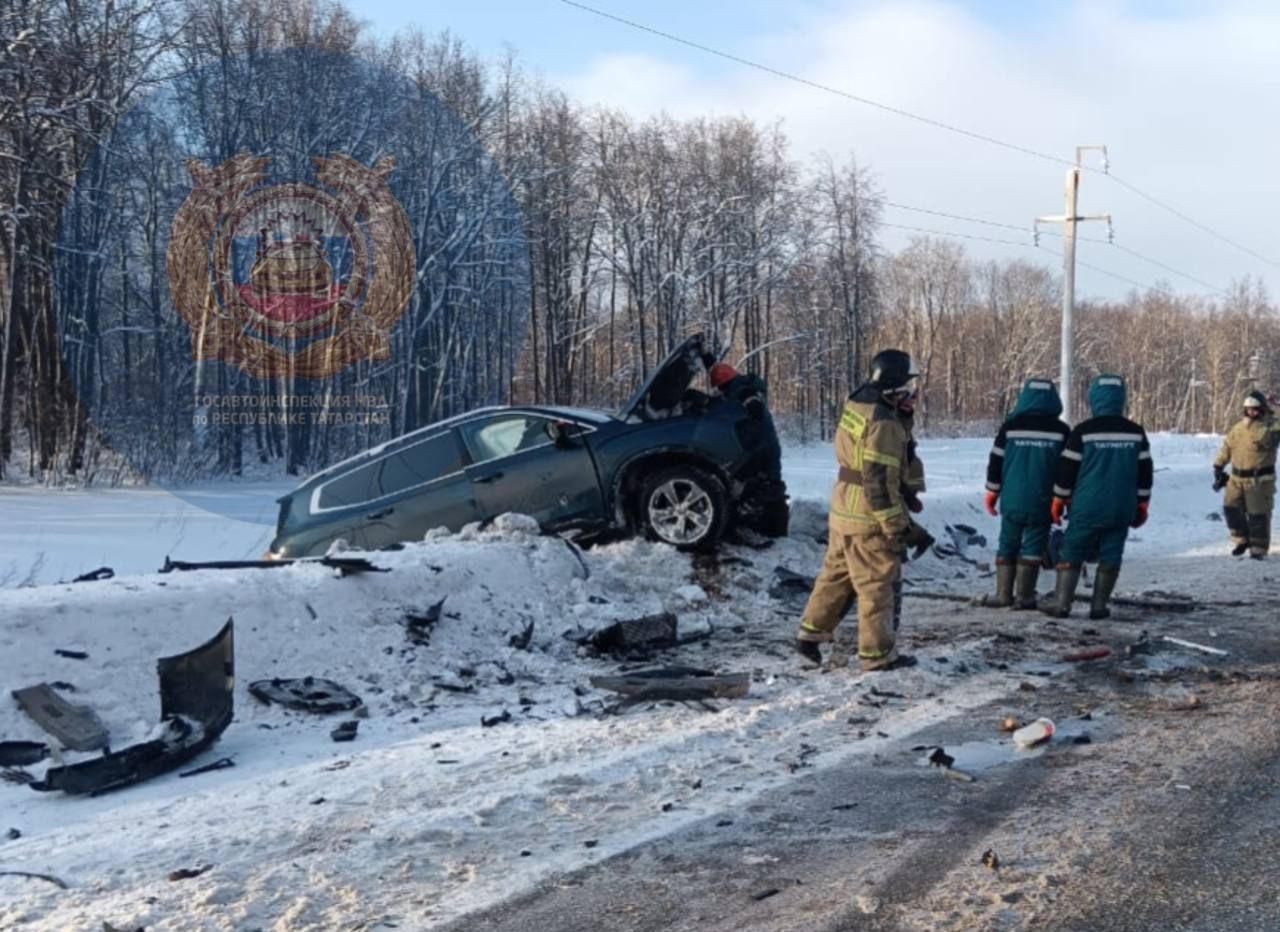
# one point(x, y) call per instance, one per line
point(385, 512)
point(492, 477)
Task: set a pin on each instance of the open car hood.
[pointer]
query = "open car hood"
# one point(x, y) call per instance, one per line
point(667, 382)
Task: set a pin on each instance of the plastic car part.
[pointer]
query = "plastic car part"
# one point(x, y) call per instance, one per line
point(309, 694)
point(76, 726)
point(21, 753)
point(196, 705)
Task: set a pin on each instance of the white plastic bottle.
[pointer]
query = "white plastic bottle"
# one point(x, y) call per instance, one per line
point(1038, 732)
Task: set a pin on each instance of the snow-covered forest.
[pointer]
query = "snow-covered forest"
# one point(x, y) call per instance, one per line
point(558, 261)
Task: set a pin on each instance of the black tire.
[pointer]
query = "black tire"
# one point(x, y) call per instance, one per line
point(697, 502)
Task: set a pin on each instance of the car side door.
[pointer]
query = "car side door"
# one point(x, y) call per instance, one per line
point(518, 465)
point(422, 485)
point(342, 503)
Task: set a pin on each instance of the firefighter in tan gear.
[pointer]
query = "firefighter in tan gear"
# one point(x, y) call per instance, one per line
point(1250, 450)
point(868, 524)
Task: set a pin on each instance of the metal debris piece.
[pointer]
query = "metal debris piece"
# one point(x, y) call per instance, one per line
point(419, 627)
point(71, 654)
point(960, 776)
point(1194, 646)
point(308, 694)
point(186, 873)
point(765, 893)
point(346, 731)
point(221, 763)
point(940, 758)
point(1141, 646)
point(489, 722)
point(681, 684)
point(101, 573)
point(522, 640)
point(61, 884)
point(651, 631)
point(21, 753)
point(1092, 653)
point(345, 566)
point(76, 726)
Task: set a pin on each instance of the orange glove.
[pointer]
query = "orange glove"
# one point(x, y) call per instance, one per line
point(1058, 509)
point(991, 504)
point(1141, 519)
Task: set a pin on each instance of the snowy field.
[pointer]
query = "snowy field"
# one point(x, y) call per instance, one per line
point(428, 815)
point(54, 536)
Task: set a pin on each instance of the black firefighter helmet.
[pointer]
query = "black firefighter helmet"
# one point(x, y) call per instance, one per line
point(892, 370)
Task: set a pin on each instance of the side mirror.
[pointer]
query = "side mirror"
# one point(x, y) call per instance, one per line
point(558, 431)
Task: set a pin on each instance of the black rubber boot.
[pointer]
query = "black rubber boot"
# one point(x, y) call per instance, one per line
point(809, 650)
point(1239, 549)
point(1058, 605)
point(1028, 576)
point(1004, 587)
point(1103, 585)
point(897, 663)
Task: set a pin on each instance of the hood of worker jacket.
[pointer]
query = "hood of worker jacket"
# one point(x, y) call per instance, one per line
point(1107, 395)
point(1038, 396)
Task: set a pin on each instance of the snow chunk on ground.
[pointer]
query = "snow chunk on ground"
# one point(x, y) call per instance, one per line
point(514, 524)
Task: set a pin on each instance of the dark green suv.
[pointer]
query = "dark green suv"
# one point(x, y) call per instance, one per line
point(678, 464)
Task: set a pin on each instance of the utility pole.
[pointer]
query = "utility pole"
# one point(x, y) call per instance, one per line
point(1069, 220)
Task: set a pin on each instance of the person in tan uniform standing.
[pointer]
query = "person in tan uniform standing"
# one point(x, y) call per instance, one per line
point(868, 523)
point(1250, 449)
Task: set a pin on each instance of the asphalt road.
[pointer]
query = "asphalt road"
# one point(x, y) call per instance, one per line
point(1167, 819)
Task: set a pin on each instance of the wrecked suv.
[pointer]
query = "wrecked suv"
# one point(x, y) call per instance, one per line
point(674, 463)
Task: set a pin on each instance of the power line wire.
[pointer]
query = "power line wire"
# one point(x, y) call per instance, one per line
point(1168, 268)
point(1010, 242)
point(1186, 219)
point(1082, 239)
point(990, 223)
point(985, 239)
point(919, 118)
point(897, 111)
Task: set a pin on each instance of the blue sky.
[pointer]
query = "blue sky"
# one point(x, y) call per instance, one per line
point(1182, 92)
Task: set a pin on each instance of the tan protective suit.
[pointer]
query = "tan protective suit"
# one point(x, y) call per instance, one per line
point(866, 526)
point(1250, 449)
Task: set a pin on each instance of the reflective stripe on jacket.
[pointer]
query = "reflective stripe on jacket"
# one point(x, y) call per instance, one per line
point(871, 448)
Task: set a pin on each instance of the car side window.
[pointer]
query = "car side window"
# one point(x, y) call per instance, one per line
point(355, 487)
point(423, 462)
point(501, 436)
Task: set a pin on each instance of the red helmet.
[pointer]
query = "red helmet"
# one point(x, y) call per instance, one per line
point(721, 374)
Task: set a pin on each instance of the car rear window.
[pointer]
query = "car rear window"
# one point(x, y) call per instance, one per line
point(431, 459)
point(357, 486)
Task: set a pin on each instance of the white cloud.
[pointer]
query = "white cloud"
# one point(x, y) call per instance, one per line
point(1183, 102)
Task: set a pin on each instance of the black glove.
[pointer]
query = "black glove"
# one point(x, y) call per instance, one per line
point(918, 540)
point(1219, 479)
point(708, 360)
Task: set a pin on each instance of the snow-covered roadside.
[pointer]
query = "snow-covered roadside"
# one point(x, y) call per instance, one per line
point(428, 815)
point(47, 536)
point(52, 535)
